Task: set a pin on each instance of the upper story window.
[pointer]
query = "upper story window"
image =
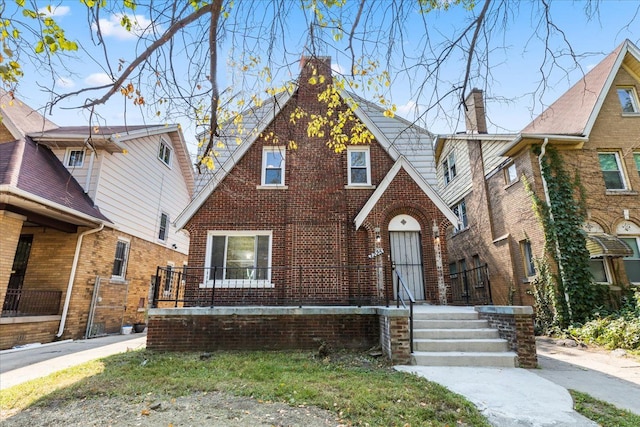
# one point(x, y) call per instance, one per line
point(238, 258)
point(612, 171)
point(75, 158)
point(359, 166)
point(449, 168)
point(165, 152)
point(636, 158)
point(511, 174)
point(628, 99)
point(461, 212)
point(120, 260)
point(527, 258)
point(273, 165)
point(163, 231)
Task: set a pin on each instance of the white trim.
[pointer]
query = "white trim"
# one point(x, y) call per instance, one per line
point(122, 277)
point(633, 95)
point(283, 154)
point(410, 223)
point(607, 270)
point(167, 148)
point(621, 170)
point(403, 163)
point(166, 229)
point(67, 157)
point(367, 158)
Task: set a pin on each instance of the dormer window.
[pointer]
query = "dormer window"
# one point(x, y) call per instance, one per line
point(449, 168)
point(273, 165)
point(628, 99)
point(165, 152)
point(359, 172)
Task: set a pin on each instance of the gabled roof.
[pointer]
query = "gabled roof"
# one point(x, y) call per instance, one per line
point(397, 136)
point(572, 116)
point(403, 163)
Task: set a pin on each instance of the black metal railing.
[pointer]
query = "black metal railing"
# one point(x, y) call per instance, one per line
point(269, 286)
point(471, 287)
point(402, 293)
point(20, 302)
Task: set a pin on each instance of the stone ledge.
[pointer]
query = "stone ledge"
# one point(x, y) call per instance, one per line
point(505, 309)
point(264, 311)
point(29, 319)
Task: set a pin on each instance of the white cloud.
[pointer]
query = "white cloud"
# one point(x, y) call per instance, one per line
point(98, 79)
point(338, 69)
point(55, 10)
point(408, 110)
point(65, 82)
point(111, 27)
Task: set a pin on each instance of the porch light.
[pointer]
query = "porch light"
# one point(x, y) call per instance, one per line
point(377, 231)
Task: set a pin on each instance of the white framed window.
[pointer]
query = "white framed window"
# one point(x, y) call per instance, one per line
point(599, 270)
point(612, 171)
point(238, 259)
point(74, 158)
point(120, 260)
point(632, 262)
point(165, 152)
point(359, 166)
point(273, 165)
point(460, 210)
point(628, 99)
point(636, 159)
point(163, 230)
point(510, 174)
point(527, 258)
point(449, 168)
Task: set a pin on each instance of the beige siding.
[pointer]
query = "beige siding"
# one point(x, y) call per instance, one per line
point(490, 154)
point(80, 173)
point(134, 188)
point(459, 186)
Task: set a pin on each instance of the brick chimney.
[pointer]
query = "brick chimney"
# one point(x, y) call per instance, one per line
point(475, 117)
point(316, 69)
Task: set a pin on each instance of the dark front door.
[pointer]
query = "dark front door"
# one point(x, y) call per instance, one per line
point(18, 270)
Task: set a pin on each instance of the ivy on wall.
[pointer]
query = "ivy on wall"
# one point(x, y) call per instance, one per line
point(565, 242)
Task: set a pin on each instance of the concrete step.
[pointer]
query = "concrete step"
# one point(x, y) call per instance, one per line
point(484, 333)
point(450, 324)
point(442, 315)
point(461, 345)
point(505, 359)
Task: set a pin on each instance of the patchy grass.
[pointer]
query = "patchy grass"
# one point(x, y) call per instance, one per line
point(605, 414)
point(361, 390)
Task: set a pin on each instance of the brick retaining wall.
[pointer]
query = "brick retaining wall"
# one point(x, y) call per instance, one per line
point(514, 324)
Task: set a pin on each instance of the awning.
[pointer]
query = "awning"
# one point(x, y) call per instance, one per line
point(601, 245)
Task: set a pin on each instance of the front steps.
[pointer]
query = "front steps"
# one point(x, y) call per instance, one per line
point(457, 337)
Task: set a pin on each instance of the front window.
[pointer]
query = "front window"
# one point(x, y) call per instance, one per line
point(527, 257)
point(75, 158)
point(511, 174)
point(120, 260)
point(598, 269)
point(628, 99)
point(359, 168)
point(611, 171)
point(449, 167)
point(165, 152)
point(238, 258)
point(164, 227)
point(461, 212)
point(273, 170)
point(632, 262)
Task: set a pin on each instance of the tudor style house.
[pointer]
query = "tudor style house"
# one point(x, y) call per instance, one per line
point(85, 218)
point(273, 225)
point(595, 126)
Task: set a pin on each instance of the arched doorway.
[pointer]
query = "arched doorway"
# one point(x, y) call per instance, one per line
point(406, 253)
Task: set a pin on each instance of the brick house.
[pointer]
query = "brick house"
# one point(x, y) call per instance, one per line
point(272, 225)
point(595, 125)
point(85, 218)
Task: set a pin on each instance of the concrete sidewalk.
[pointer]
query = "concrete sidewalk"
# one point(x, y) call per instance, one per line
point(35, 361)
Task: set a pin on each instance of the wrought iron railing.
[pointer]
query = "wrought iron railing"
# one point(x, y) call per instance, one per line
point(471, 287)
point(273, 286)
point(20, 302)
point(402, 293)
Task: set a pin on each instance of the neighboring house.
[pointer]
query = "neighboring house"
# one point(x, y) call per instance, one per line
point(86, 216)
point(595, 126)
point(272, 225)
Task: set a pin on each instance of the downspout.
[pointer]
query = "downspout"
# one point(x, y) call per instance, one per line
point(72, 277)
point(548, 200)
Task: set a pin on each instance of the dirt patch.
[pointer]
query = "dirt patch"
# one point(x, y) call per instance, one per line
point(196, 410)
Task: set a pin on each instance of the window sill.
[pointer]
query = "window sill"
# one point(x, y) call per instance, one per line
point(359, 187)
point(118, 281)
point(631, 114)
point(456, 233)
point(512, 183)
point(239, 285)
point(272, 187)
point(528, 280)
point(621, 193)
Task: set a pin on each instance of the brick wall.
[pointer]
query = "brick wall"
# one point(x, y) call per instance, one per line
point(514, 324)
point(10, 226)
point(27, 330)
point(395, 336)
point(312, 219)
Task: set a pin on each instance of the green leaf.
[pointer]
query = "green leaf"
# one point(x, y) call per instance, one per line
point(29, 13)
point(39, 47)
point(20, 3)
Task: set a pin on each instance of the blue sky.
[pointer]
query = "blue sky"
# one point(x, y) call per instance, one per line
point(511, 94)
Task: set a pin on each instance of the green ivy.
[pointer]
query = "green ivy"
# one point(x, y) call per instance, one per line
point(565, 242)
